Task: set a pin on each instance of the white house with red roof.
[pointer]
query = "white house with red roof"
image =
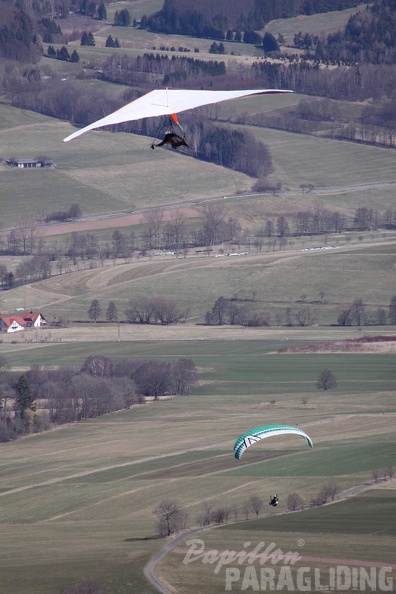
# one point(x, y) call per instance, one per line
point(21, 321)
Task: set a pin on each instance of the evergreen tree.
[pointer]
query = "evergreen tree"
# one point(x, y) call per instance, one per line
point(95, 310)
point(74, 57)
point(51, 53)
point(87, 39)
point(269, 43)
point(122, 18)
point(25, 406)
point(84, 39)
point(109, 41)
point(63, 54)
point(102, 12)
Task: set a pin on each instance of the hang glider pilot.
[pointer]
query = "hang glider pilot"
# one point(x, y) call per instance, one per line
point(171, 137)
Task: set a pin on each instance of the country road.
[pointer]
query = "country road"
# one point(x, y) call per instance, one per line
point(189, 208)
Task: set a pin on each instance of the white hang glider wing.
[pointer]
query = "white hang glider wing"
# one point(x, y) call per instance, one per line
point(166, 102)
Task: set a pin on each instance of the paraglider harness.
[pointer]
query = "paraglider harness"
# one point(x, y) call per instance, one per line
point(171, 137)
point(274, 500)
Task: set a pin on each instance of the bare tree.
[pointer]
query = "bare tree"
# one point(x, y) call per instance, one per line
point(358, 308)
point(294, 501)
point(213, 223)
point(27, 231)
point(389, 473)
point(256, 504)
point(392, 310)
point(304, 317)
point(219, 310)
point(319, 499)
point(331, 489)
point(153, 378)
point(219, 515)
point(171, 517)
point(376, 475)
point(326, 380)
point(153, 224)
point(183, 375)
point(345, 317)
point(167, 312)
point(98, 365)
point(246, 508)
point(140, 310)
point(205, 515)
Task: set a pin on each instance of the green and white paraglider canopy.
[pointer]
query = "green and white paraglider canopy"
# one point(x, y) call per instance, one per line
point(247, 439)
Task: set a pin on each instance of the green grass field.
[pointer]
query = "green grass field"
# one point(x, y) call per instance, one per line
point(323, 538)
point(77, 502)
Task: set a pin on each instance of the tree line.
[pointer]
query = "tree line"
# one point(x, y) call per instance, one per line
point(142, 309)
point(68, 394)
point(211, 20)
point(126, 70)
point(242, 312)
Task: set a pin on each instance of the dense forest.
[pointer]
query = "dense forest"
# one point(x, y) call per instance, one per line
point(17, 34)
point(214, 19)
point(369, 37)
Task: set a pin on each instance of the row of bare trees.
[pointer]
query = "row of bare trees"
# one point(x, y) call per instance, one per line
point(227, 311)
point(357, 313)
point(215, 228)
point(172, 516)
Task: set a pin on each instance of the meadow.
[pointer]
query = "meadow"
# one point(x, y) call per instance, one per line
point(316, 24)
point(77, 501)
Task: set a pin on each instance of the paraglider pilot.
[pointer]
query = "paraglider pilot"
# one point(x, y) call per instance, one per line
point(274, 500)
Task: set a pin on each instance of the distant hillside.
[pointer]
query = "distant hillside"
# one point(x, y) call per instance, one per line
point(206, 18)
point(17, 34)
point(369, 37)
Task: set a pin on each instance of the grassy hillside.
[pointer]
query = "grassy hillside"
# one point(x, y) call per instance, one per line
point(112, 172)
point(316, 24)
point(279, 280)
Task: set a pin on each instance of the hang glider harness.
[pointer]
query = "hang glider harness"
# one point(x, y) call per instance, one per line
point(173, 138)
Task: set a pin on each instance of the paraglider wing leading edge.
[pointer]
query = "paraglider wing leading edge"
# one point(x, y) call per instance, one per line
point(247, 439)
